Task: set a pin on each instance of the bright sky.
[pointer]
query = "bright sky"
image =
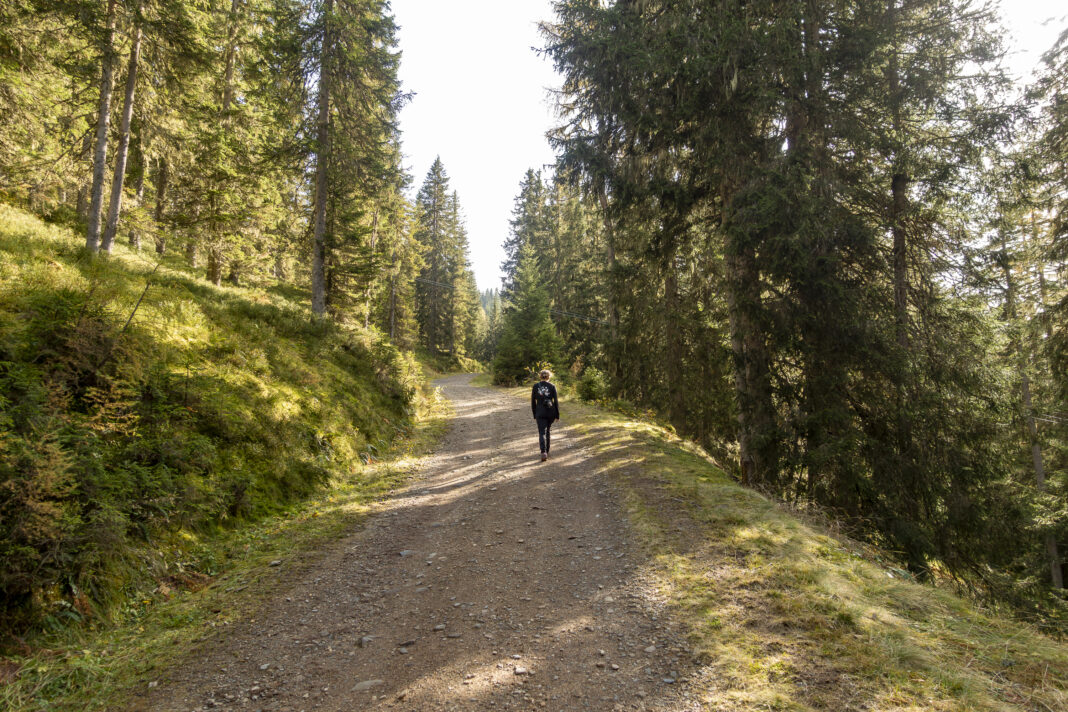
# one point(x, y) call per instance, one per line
point(481, 104)
point(481, 99)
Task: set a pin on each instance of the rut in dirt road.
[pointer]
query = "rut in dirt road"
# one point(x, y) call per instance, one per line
point(494, 581)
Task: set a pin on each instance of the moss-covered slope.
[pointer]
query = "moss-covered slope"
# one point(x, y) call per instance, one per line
point(141, 406)
point(787, 614)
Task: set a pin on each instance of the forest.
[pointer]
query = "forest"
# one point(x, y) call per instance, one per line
point(825, 240)
point(254, 143)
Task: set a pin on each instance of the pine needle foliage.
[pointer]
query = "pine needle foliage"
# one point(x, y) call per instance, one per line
point(529, 340)
point(791, 204)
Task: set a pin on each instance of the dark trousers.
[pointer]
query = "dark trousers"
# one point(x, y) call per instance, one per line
point(544, 424)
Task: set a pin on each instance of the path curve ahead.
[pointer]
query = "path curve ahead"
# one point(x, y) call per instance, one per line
point(492, 582)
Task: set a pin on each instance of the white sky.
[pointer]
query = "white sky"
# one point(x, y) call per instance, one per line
point(482, 104)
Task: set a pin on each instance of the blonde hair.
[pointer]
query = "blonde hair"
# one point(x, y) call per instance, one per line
point(546, 375)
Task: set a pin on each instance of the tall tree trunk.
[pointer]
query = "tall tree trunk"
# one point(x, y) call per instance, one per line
point(322, 164)
point(139, 186)
point(231, 56)
point(367, 293)
point(899, 182)
point(103, 122)
point(393, 292)
point(215, 265)
point(162, 179)
point(82, 206)
point(614, 366)
point(907, 470)
point(675, 343)
point(393, 308)
point(1043, 289)
point(1037, 459)
point(115, 206)
point(758, 448)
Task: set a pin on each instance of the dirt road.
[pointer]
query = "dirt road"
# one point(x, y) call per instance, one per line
point(492, 582)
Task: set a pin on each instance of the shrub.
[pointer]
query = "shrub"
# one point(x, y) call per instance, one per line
point(593, 386)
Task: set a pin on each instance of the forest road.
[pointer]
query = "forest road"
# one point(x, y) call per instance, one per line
point(491, 582)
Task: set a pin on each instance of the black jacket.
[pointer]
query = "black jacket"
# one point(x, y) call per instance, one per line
point(543, 401)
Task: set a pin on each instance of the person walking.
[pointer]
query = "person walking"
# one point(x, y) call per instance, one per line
point(546, 409)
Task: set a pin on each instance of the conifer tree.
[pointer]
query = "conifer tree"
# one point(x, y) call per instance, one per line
point(528, 337)
point(447, 300)
point(723, 145)
point(529, 225)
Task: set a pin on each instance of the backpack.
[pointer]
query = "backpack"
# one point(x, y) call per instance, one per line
point(545, 396)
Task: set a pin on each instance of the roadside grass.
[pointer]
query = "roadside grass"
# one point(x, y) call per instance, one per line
point(786, 615)
point(161, 441)
point(439, 365)
point(98, 666)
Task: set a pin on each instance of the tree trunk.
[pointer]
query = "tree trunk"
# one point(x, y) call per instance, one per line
point(115, 206)
point(675, 344)
point(392, 292)
point(82, 206)
point(1040, 267)
point(367, 294)
point(192, 254)
point(215, 265)
point(752, 372)
point(322, 163)
point(234, 277)
point(231, 57)
point(139, 188)
point(103, 121)
point(393, 308)
point(162, 178)
point(1037, 459)
point(899, 182)
point(614, 366)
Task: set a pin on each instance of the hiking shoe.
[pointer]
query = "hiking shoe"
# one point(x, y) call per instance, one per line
point(544, 456)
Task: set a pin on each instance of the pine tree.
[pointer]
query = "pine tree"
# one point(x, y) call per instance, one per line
point(723, 145)
point(447, 300)
point(528, 340)
point(529, 225)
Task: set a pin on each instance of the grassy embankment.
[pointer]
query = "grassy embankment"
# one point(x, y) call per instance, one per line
point(785, 615)
point(153, 468)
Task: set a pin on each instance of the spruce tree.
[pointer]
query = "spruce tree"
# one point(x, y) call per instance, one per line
point(528, 340)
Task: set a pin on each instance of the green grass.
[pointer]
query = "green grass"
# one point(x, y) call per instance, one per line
point(439, 365)
point(97, 666)
point(154, 456)
point(787, 615)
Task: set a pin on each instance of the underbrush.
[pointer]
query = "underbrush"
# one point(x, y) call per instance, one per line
point(99, 666)
point(143, 410)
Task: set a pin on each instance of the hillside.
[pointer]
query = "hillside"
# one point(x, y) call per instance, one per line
point(785, 613)
point(142, 410)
